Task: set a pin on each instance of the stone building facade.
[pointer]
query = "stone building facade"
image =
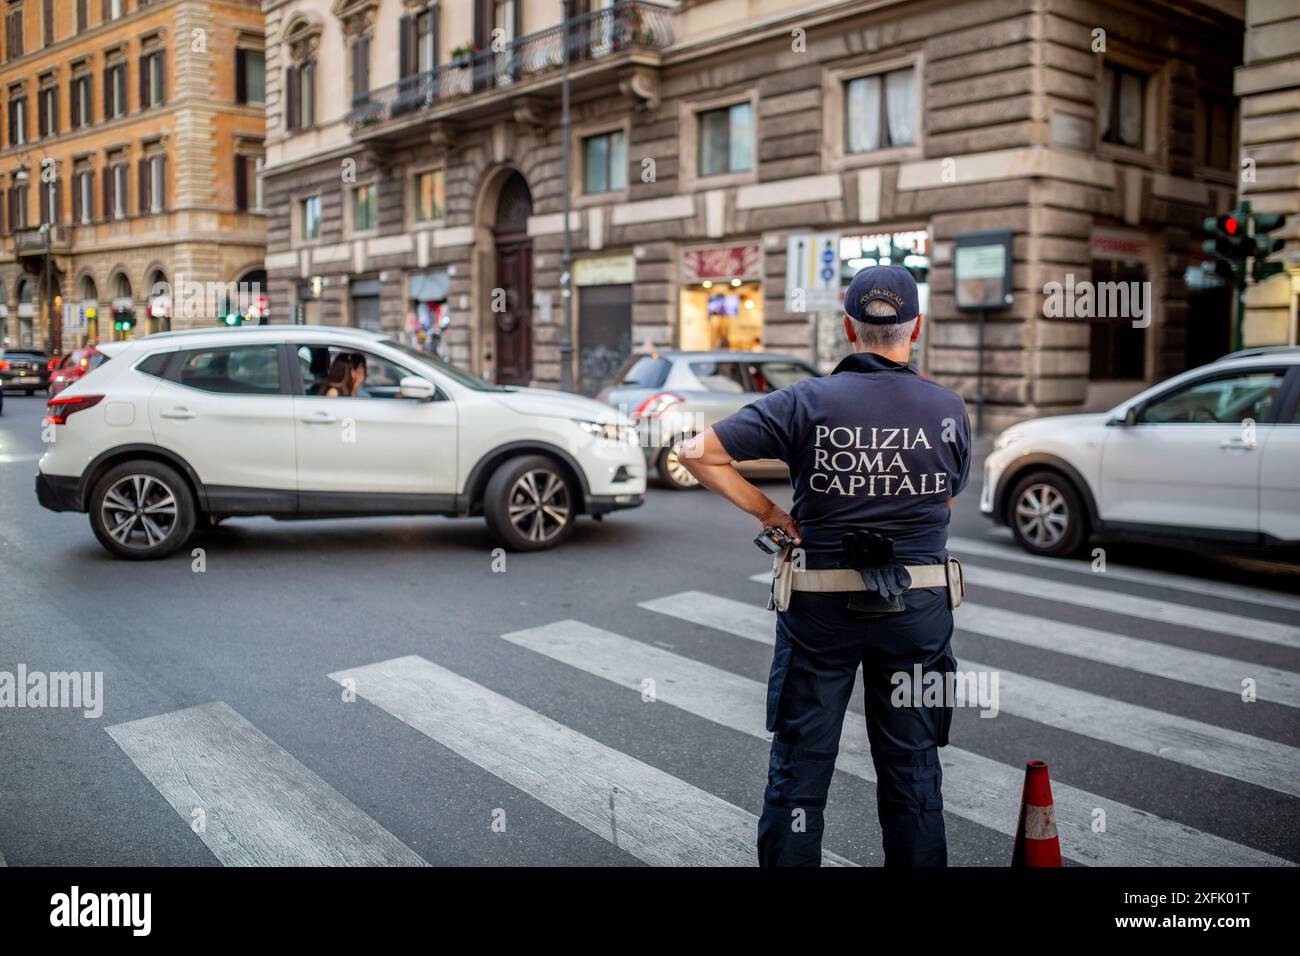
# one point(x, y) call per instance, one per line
point(1269, 86)
point(717, 146)
point(125, 124)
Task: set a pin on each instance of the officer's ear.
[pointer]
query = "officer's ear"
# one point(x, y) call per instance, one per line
point(849, 330)
point(916, 329)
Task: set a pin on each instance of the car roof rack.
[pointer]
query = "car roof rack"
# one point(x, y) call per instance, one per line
point(1262, 350)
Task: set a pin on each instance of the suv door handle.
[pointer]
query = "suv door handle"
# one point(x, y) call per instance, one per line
point(318, 418)
point(1241, 443)
point(178, 413)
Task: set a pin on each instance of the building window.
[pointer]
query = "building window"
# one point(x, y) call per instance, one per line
point(83, 15)
point(430, 195)
point(604, 159)
point(114, 9)
point(880, 111)
point(47, 21)
point(360, 70)
point(18, 207)
point(79, 101)
point(115, 90)
point(117, 193)
point(1217, 130)
point(47, 110)
point(248, 182)
point(363, 208)
point(727, 140)
point(250, 76)
point(50, 200)
point(83, 196)
point(17, 118)
point(1123, 106)
point(153, 189)
point(300, 96)
point(311, 217)
point(151, 79)
point(426, 40)
point(14, 34)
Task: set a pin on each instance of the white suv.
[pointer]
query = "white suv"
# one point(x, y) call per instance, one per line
point(187, 428)
point(1210, 456)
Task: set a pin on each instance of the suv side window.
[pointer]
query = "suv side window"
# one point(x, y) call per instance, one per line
point(383, 378)
point(238, 370)
point(1223, 400)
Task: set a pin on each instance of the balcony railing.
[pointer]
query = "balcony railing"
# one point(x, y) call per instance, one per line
point(32, 240)
point(591, 36)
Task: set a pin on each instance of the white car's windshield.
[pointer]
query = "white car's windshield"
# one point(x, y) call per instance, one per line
point(460, 376)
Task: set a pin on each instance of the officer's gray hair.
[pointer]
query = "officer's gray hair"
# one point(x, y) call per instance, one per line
point(882, 338)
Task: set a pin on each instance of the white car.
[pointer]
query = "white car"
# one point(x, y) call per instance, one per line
point(1211, 456)
point(187, 428)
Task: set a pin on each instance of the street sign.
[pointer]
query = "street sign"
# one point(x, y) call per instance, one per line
point(982, 270)
point(812, 272)
point(74, 319)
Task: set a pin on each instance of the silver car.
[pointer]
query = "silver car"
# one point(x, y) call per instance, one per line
point(674, 395)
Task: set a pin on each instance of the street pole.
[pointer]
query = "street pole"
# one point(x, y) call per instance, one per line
point(979, 391)
point(566, 256)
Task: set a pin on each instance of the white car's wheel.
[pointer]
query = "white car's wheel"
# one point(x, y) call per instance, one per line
point(142, 510)
point(529, 504)
point(1046, 515)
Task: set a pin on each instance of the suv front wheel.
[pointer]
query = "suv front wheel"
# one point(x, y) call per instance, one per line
point(142, 510)
point(529, 504)
point(1046, 515)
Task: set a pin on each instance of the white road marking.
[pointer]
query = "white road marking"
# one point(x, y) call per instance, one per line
point(1100, 599)
point(1193, 743)
point(1130, 653)
point(261, 806)
point(975, 788)
point(961, 547)
point(658, 818)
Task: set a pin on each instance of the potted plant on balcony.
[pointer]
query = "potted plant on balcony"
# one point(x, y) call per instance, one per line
point(463, 54)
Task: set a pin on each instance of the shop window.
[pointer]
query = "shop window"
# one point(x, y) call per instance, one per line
point(1123, 106)
point(721, 315)
point(880, 111)
point(726, 140)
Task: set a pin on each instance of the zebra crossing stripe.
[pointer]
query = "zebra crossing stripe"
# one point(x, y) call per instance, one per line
point(961, 547)
point(1130, 653)
point(1192, 743)
point(1150, 609)
point(660, 819)
point(975, 788)
point(257, 804)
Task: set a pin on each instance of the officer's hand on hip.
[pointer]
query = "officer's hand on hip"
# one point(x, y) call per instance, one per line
point(774, 517)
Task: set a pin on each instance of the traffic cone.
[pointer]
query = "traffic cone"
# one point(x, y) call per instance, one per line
point(1036, 840)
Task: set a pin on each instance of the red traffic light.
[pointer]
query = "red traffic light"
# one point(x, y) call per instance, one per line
point(1230, 225)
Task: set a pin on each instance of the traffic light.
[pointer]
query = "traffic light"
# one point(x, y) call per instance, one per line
point(123, 321)
point(1266, 245)
point(231, 318)
point(1232, 244)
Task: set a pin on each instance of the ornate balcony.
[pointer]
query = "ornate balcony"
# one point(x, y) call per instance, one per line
point(33, 241)
point(592, 36)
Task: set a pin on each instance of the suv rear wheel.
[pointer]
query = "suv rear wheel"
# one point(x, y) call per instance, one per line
point(529, 504)
point(142, 510)
point(1046, 515)
point(672, 473)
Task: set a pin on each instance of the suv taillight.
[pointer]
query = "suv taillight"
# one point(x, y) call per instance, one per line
point(58, 409)
point(4, 366)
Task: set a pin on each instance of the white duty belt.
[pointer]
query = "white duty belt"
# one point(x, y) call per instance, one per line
point(786, 580)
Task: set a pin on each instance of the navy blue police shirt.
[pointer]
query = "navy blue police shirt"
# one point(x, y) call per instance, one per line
point(870, 447)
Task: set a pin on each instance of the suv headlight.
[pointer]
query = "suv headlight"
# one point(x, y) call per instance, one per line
point(608, 431)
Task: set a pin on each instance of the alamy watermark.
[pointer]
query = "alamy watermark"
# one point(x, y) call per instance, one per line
point(1086, 299)
point(921, 688)
point(74, 690)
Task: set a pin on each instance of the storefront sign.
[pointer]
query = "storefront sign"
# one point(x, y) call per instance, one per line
point(722, 263)
point(812, 272)
point(1119, 244)
point(607, 270)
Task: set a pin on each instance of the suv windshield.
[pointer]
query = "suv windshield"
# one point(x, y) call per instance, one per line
point(457, 375)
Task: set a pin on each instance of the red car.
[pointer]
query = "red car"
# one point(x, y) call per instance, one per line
point(74, 365)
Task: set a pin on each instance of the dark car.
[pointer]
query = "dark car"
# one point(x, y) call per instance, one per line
point(24, 370)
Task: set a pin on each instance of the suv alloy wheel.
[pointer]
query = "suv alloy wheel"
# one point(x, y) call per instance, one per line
point(529, 504)
point(142, 510)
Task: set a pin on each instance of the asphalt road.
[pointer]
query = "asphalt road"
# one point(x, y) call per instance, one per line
point(374, 691)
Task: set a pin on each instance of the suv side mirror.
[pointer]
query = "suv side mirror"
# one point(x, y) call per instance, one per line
point(1129, 420)
point(420, 389)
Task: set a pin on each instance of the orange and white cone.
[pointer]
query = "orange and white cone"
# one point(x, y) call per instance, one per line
point(1036, 841)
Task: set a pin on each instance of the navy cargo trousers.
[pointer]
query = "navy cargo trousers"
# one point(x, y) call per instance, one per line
point(820, 645)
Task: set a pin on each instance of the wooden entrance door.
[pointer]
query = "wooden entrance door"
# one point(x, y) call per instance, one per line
point(513, 326)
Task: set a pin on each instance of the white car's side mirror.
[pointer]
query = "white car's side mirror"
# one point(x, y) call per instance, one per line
point(420, 389)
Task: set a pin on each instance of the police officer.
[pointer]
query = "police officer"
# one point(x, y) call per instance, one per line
point(873, 449)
